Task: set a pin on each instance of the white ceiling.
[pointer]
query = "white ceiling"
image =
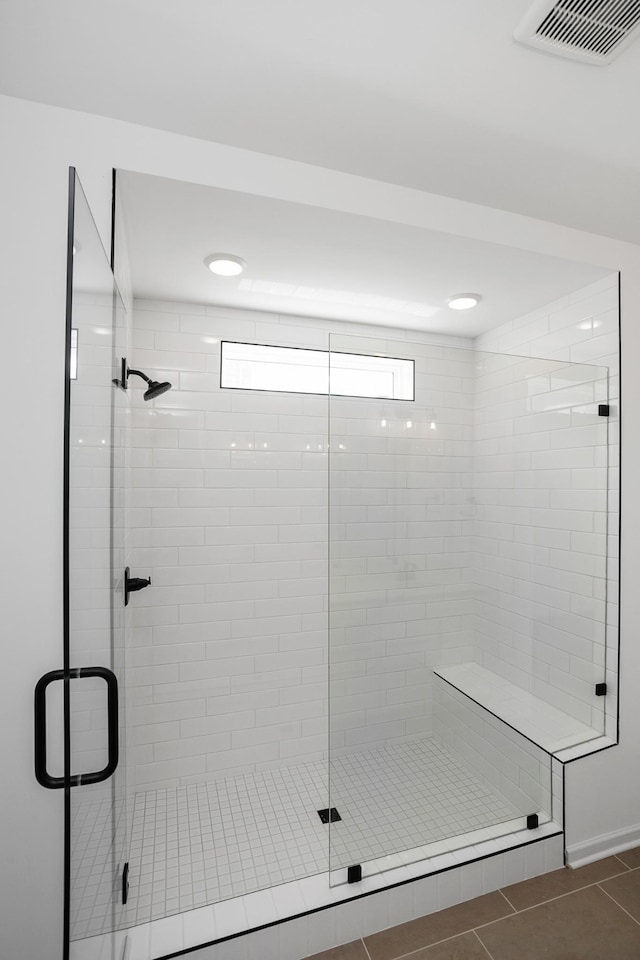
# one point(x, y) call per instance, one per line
point(327, 263)
point(433, 94)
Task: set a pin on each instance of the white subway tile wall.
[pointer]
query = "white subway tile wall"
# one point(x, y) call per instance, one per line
point(470, 524)
point(229, 514)
point(401, 598)
point(547, 488)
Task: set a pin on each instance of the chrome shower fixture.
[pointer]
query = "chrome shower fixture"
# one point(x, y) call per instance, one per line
point(154, 389)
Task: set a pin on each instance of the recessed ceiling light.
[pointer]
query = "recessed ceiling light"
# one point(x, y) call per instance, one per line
point(464, 301)
point(225, 264)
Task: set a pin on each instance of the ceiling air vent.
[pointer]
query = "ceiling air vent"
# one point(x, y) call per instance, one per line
point(593, 31)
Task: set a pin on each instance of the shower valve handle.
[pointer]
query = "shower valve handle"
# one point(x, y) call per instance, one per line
point(132, 584)
point(138, 583)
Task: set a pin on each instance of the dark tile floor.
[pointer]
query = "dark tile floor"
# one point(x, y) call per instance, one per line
point(592, 913)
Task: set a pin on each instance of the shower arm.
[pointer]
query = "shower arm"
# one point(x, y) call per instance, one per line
point(138, 373)
point(126, 372)
point(154, 387)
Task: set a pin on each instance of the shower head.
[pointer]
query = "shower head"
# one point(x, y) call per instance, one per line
point(155, 389)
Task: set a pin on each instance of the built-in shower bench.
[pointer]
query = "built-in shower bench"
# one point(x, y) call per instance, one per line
point(545, 725)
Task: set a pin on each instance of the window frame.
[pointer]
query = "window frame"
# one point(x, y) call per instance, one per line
point(315, 393)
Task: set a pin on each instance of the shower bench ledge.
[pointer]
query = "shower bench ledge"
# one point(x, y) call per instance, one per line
point(556, 732)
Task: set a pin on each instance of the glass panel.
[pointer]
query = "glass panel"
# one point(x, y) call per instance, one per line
point(540, 489)
point(466, 573)
point(98, 814)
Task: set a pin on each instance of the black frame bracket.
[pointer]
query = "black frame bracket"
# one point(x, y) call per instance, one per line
point(125, 882)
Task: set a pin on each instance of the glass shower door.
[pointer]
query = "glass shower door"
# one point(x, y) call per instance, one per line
point(94, 659)
point(417, 767)
point(399, 497)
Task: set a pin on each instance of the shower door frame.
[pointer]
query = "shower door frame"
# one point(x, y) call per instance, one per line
point(116, 741)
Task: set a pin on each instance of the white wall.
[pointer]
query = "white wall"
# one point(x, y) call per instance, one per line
point(603, 791)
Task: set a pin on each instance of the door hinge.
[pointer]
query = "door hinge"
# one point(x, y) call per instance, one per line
point(125, 882)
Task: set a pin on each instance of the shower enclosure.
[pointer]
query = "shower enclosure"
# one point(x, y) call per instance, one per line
point(448, 556)
point(376, 621)
point(88, 691)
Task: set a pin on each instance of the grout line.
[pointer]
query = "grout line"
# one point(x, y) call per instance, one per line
point(365, 948)
point(535, 906)
point(453, 936)
point(436, 943)
point(616, 857)
point(483, 945)
point(613, 899)
point(559, 897)
point(507, 899)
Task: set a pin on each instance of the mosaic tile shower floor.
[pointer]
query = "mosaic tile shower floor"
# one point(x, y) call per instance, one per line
point(197, 844)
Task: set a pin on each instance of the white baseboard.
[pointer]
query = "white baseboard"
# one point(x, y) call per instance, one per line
point(607, 844)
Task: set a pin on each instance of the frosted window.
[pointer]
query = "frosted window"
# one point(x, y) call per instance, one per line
point(252, 366)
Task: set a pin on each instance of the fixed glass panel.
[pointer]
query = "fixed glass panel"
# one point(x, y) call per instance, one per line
point(467, 565)
point(541, 457)
point(96, 541)
point(253, 366)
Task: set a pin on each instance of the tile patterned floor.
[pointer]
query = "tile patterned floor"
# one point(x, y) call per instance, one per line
point(398, 799)
point(198, 844)
point(592, 913)
point(92, 857)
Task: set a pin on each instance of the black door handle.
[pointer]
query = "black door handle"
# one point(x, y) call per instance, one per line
point(40, 730)
point(40, 727)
